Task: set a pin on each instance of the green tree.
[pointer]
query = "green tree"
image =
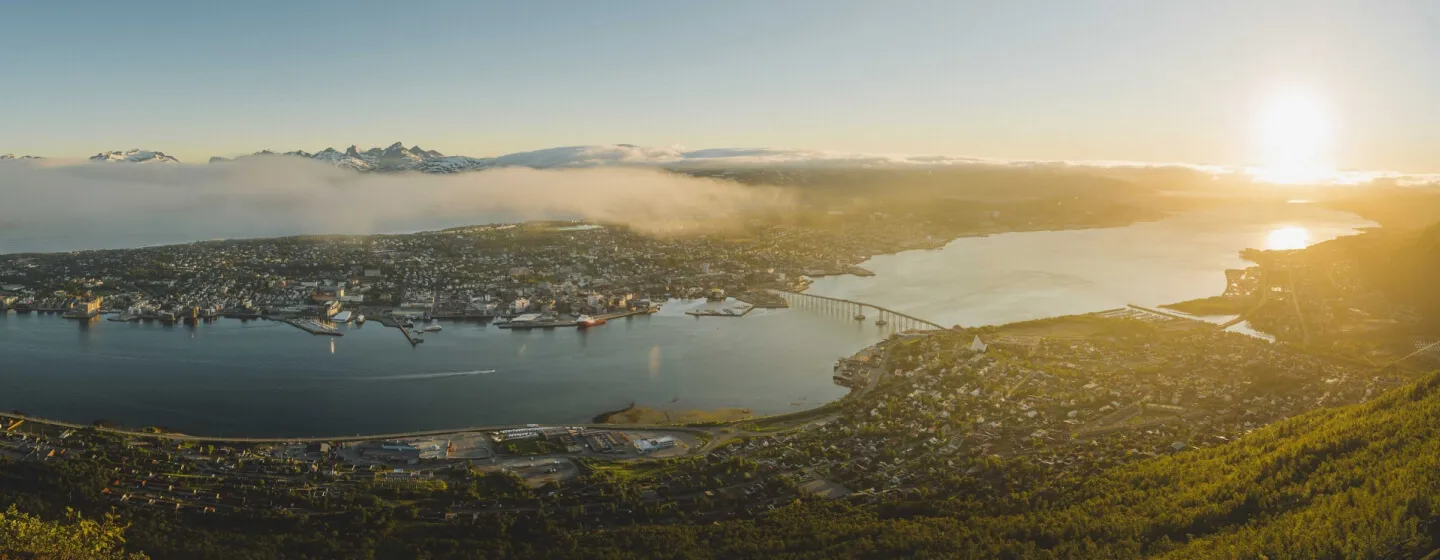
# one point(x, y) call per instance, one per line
point(27, 536)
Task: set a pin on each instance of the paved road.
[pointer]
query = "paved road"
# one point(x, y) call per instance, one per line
point(401, 435)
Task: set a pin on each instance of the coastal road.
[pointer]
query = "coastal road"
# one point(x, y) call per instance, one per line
point(338, 439)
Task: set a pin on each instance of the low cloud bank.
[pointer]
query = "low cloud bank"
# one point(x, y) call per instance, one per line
point(50, 206)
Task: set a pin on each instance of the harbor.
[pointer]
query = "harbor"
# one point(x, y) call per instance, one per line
point(547, 321)
point(738, 311)
point(468, 374)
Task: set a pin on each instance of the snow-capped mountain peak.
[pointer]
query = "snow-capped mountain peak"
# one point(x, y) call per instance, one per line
point(134, 156)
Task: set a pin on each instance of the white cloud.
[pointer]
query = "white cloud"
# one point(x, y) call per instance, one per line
point(59, 206)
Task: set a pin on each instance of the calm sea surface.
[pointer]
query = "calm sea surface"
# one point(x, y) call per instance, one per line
point(265, 378)
point(1021, 276)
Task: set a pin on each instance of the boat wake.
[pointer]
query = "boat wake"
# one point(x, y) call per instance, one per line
point(411, 376)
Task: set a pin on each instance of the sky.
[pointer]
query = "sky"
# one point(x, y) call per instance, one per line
point(1158, 81)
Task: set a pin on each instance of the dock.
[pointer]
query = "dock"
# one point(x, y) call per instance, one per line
point(413, 341)
point(527, 325)
point(390, 321)
point(312, 327)
point(623, 314)
point(722, 312)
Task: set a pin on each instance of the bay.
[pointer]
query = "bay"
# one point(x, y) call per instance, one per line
point(263, 378)
point(1013, 277)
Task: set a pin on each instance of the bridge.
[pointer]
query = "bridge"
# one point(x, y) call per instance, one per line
point(892, 318)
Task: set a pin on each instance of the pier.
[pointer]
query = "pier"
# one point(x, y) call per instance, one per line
point(563, 323)
point(721, 312)
point(899, 321)
point(313, 327)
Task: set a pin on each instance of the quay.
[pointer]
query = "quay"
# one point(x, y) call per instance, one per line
point(763, 300)
point(389, 321)
point(312, 327)
point(527, 325)
point(722, 312)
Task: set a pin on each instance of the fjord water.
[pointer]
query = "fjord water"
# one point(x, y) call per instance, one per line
point(267, 378)
point(1022, 276)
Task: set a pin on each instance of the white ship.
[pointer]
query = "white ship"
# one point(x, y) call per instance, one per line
point(433, 326)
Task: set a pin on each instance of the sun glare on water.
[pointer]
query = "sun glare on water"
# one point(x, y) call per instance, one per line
point(1294, 136)
point(1287, 238)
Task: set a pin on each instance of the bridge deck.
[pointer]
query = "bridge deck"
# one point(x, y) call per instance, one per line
point(863, 304)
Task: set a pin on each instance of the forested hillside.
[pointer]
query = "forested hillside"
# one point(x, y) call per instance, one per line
point(1353, 482)
point(1405, 264)
point(1356, 482)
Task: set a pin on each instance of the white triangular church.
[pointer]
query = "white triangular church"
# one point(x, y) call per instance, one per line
point(977, 345)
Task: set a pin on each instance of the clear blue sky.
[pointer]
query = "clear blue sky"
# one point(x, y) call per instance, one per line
point(1137, 80)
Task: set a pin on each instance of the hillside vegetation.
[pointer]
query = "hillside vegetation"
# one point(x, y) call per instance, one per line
point(1352, 482)
point(1355, 482)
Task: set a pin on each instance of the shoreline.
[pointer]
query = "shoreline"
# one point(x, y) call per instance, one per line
point(602, 420)
point(596, 420)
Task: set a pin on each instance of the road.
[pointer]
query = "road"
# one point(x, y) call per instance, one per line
point(337, 439)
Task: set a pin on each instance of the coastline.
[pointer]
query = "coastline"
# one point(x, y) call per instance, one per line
point(817, 405)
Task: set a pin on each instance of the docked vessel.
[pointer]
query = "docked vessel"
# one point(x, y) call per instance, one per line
point(342, 317)
point(359, 319)
point(585, 321)
point(433, 326)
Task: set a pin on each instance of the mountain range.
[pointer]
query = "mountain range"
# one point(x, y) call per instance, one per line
point(398, 158)
point(134, 156)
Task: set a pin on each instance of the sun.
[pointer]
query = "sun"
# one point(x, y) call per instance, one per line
point(1294, 135)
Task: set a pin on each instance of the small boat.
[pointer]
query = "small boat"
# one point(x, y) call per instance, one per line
point(359, 319)
point(433, 326)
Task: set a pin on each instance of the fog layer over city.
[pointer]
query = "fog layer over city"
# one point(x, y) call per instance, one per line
point(58, 206)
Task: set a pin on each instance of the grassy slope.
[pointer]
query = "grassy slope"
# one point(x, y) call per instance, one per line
point(1353, 482)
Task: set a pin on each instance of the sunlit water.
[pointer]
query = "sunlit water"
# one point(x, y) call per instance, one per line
point(1021, 276)
point(265, 378)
